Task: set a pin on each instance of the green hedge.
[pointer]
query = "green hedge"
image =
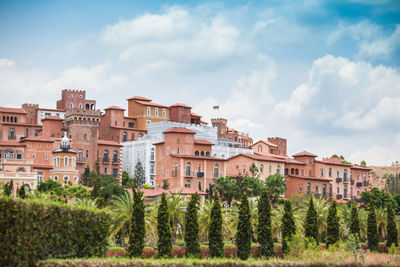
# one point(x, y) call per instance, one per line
point(34, 230)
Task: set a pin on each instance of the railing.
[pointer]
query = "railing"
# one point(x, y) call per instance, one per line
point(366, 183)
point(115, 161)
point(352, 182)
point(80, 160)
point(200, 174)
point(359, 184)
point(106, 159)
point(338, 196)
point(339, 180)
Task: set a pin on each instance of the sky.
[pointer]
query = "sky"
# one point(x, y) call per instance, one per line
point(323, 74)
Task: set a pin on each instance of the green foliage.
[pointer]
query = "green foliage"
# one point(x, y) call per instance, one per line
point(332, 225)
point(264, 234)
point(372, 230)
point(8, 188)
point(192, 243)
point(216, 244)
point(85, 177)
point(125, 178)
point(354, 221)
point(105, 187)
point(379, 198)
point(392, 183)
point(311, 224)
point(396, 201)
point(227, 188)
point(139, 175)
point(137, 227)
point(275, 186)
point(363, 163)
point(165, 185)
point(243, 234)
point(116, 249)
point(254, 171)
point(392, 233)
point(288, 226)
point(50, 186)
point(76, 190)
point(21, 192)
point(164, 243)
point(34, 230)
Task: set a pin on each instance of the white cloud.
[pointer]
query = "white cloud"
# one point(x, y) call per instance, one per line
point(6, 62)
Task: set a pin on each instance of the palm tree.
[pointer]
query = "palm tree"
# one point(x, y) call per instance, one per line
point(276, 219)
point(381, 221)
point(86, 202)
point(176, 210)
point(227, 188)
point(344, 220)
point(122, 209)
point(363, 216)
point(204, 219)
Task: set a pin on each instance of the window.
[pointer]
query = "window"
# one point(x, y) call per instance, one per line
point(36, 132)
point(124, 136)
point(278, 169)
point(308, 187)
point(11, 133)
point(80, 155)
point(164, 112)
point(133, 137)
point(196, 153)
point(115, 172)
point(207, 154)
point(71, 105)
point(156, 112)
point(287, 171)
point(300, 188)
point(178, 151)
point(309, 173)
point(167, 174)
point(66, 161)
point(176, 169)
point(345, 175)
point(84, 136)
point(216, 170)
point(322, 172)
point(55, 178)
point(316, 189)
point(81, 96)
point(40, 177)
point(80, 106)
point(345, 191)
point(202, 153)
point(262, 168)
point(187, 184)
point(148, 111)
point(199, 186)
point(115, 123)
point(324, 190)
point(87, 154)
point(73, 162)
point(21, 169)
point(337, 174)
point(26, 132)
point(105, 155)
point(188, 165)
point(19, 154)
point(105, 170)
point(337, 189)
point(131, 125)
point(57, 161)
point(71, 96)
point(66, 178)
point(330, 172)
point(107, 130)
point(115, 156)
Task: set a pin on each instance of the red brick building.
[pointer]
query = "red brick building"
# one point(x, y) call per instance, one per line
point(225, 132)
point(75, 99)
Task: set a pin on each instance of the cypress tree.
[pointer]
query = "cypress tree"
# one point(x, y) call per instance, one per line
point(332, 235)
point(264, 234)
point(392, 234)
point(243, 234)
point(21, 192)
point(311, 227)
point(215, 241)
point(137, 229)
point(192, 243)
point(354, 223)
point(288, 226)
point(372, 229)
point(164, 243)
point(8, 187)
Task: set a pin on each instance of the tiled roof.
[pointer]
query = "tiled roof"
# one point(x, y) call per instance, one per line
point(261, 157)
point(361, 168)
point(196, 157)
point(202, 142)
point(194, 114)
point(180, 105)
point(12, 110)
point(293, 161)
point(179, 130)
point(268, 143)
point(141, 98)
point(151, 104)
point(52, 109)
point(334, 163)
point(114, 107)
point(37, 139)
point(54, 118)
point(10, 143)
point(304, 153)
point(108, 143)
point(186, 191)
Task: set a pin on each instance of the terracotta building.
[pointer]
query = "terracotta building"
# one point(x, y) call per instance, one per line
point(71, 99)
point(225, 132)
point(144, 111)
point(182, 160)
point(274, 146)
point(183, 113)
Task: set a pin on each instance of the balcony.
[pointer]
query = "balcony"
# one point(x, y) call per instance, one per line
point(339, 180)
point(365, 183)
point(189, 174)
point(115, 161)
point(352, 182)
point(81, 160)
point(359, 184)
point(339, 196)
point(345, 180)
point(200, 174)
point(106, 160)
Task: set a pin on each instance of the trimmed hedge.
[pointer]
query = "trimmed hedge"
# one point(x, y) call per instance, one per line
point(32, 230)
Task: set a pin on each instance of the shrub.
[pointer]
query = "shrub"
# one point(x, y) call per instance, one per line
point(243, 234)
point(391, 226)
point(311, 224)
point(332, 225)
point(164, 243)
point(264, 234)
point(354, 223)
point(216, 244)
point(288, 226)
point(116, 249)
point(192, 243)
point(372, 234)
point(137, 229)
point(32, 230)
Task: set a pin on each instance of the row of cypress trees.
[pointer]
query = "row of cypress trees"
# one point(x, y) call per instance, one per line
point(244, 233)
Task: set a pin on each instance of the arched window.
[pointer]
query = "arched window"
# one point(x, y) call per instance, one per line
point(188, 171)
point(199, 186)
point(345, 175)
point(87, 106)
point(92, 106)
point(178, 151)
point(21, 169)
point(71, 105)
point(115, 156)
point(84, 136)
point(19, 154)
point(187, 183)
point(57, 161)
point(73, 162)
point(133, 137)
point(75, 179)
point(124, 136)
point(207, 154)
point(105, 155)
point(66, 161)
point(176, 169)
point(9, 154)
point(196, 153)
point(152, 154)
point(330, 172)
point(202, 153)
point(199, 168)
point(223, 156)
point(216, 170)
point(80, 106)
point(259, 148)
point(278, 169)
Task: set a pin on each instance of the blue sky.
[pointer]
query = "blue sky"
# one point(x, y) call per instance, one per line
point(324, 74)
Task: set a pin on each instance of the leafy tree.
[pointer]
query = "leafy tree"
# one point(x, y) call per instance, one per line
point(392, 234)
point(192, 243)
point(363, 163)
point(8, 188)
point(254, 170)
point(50, 186)
point(85, 177)
point(332, 225)
point(252, 186)
point(96, 189)
point(276, 186)
point(288, 226)
point(96, 168)
point(21, 192)
point(76, 190)
point(372, 229)
point(125, 178)
point(396, 200)
point(379, 198)
point(392, 183)
point(105, 187)
point(164, 243)
point(215, 241)
point(243, 234)
point(139, 175)
point(311, 224)
point(137, 229)
point(264, 233)
point(165, 185)
point(227, 188)
point(354, 223)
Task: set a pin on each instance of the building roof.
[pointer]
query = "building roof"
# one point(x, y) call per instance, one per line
point(186, 191)
point(309, 177)
point(158, 143)
point(361, 168)
point(260, 157)
point(304, 153)
point(180, 105)
point(53, 118)
point(334, 163)
point(114, 107)
point(52, 109)
point(194, 114)
point(146, 103)
point(196, 157)
point(10, 143)
point(202, 142)
point(108, 143)
point(12, 110)
point(37, 139)
point(141, 98)
point(268, 143)
point(179, 130)
point(293, 161)
point(20, 124)
point(42, 166)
